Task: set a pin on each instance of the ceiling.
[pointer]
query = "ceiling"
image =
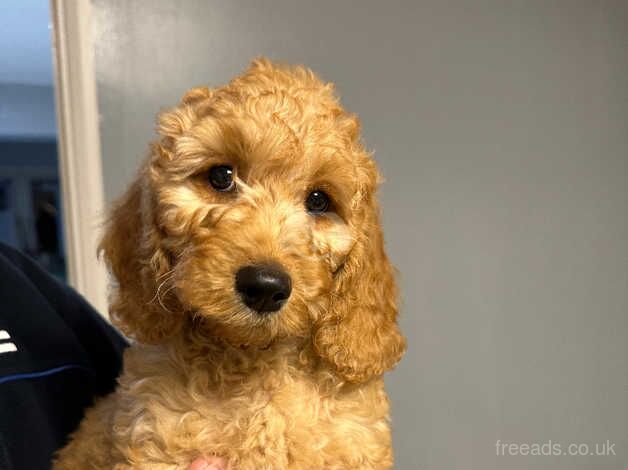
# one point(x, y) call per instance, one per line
point(25, 42)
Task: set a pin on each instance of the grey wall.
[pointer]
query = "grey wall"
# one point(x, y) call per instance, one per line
point(502, 130)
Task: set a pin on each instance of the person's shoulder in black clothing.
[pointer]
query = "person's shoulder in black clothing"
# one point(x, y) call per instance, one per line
point(57, 354)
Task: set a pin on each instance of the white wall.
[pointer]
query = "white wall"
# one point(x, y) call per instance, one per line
point(501, 129)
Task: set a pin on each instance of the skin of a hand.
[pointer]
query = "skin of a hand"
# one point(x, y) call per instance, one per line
point(209, 463)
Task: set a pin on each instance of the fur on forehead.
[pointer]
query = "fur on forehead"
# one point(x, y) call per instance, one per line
point(272, 120)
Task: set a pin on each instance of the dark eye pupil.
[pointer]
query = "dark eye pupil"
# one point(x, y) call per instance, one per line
point(221, 177)
point(317, 201)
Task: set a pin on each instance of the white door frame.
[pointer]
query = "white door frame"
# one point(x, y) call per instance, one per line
point(79, 147)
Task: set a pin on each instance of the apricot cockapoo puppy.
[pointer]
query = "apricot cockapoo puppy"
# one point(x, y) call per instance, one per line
point(251, 273)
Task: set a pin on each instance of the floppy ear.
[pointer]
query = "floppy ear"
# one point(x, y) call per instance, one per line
point(359, 334)
point(143, 303)
point(140, 307)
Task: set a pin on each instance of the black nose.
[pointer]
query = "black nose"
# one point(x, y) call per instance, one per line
point(264, 288)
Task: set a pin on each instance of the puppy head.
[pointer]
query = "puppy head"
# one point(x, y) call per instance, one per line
point(255, 214)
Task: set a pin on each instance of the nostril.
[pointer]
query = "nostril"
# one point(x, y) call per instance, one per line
point(278, 297)
point(252, 292)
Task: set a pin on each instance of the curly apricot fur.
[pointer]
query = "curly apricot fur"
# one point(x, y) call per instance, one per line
point(298, 389)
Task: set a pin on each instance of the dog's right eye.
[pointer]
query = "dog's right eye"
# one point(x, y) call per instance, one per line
point(221, 178)
point(317, 202)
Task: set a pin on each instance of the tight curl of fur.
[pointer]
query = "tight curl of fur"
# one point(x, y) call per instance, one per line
point(299, 389)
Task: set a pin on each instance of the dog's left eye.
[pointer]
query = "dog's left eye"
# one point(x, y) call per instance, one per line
point(317, 202)
point(221, 178)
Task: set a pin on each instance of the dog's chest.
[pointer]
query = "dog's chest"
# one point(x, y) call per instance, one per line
point(274, 420)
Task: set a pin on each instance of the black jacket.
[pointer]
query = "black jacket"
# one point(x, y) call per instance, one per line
point(56, 356)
